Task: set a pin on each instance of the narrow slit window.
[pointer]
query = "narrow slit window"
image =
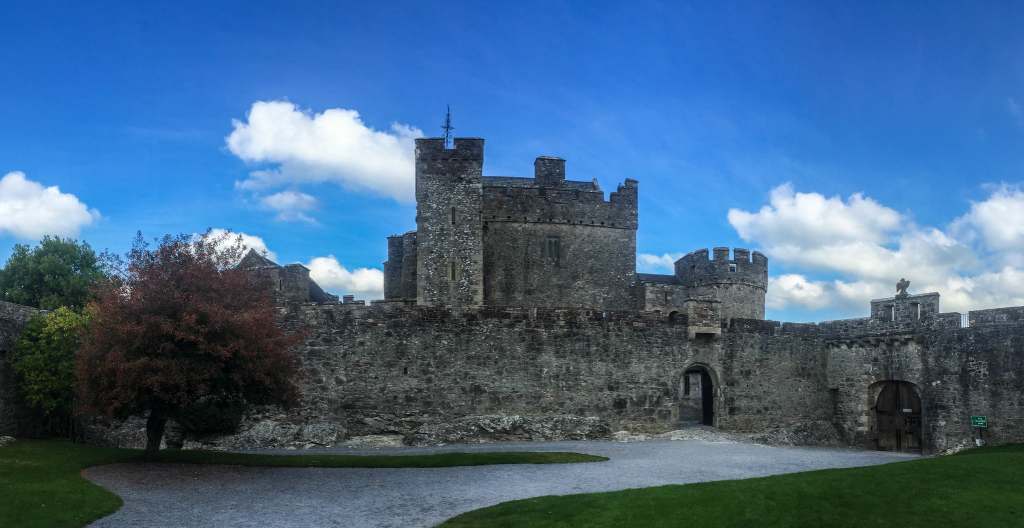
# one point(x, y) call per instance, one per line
point(451, 270)
point(552, 249)
point(453, 216)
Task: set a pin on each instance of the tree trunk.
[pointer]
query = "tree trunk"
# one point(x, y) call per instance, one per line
point(154, 432)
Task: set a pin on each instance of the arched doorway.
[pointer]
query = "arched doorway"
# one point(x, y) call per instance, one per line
point(897, 413)
point(697, 397)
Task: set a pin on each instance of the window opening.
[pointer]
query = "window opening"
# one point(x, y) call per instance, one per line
point(552, 249)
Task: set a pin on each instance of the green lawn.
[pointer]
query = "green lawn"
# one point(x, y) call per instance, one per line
point(982, 487)
point(41, 483)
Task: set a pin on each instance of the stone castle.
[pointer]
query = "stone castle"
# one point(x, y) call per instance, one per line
point(545, 242)
point(514, 311)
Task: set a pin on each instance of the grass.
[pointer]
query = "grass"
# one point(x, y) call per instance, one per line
point(41, 483)
point(982, 487)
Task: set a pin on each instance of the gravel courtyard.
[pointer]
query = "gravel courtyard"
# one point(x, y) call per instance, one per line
point(172, 495)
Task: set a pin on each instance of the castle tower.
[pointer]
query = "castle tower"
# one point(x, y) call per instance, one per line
point(739, 283)
point(449, 230)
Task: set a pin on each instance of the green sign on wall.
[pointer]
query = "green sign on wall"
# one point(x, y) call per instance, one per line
point(979, 421)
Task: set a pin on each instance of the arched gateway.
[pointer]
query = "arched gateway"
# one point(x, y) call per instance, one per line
point(697, 397)
point(897, 416)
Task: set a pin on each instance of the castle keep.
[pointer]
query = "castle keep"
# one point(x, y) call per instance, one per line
point(544, 242)
point(514, 311)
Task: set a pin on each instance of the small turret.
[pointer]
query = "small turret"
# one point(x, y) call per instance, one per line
point(739, 283)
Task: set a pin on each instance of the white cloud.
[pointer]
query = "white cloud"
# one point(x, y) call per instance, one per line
point(227, 239)
point(291, 205)
point(997, 222)
point(366, 283)
point(28, 210)
point(795, 290)
point(807, 219)
point(869, 246)
point(663, 262)
point(332, 146)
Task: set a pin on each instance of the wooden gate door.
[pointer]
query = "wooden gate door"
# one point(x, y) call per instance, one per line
point(898, 417)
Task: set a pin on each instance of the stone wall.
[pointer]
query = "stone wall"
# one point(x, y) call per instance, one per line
point(558, 265)
point(12, 320)
point(394, 369)
point(431, 374)
point(549, 242)
point(957, 372)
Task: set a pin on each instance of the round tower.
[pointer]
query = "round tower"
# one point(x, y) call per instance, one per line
point(738, 283)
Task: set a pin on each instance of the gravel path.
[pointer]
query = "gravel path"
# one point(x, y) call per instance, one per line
point(173, 495)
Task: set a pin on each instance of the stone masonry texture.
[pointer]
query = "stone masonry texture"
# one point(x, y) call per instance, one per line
point(514, 311)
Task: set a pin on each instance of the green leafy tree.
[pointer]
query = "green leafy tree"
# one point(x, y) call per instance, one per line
point(58, 272)
point(44, 360)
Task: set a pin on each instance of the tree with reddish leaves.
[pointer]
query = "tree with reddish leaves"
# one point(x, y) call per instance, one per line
point(181, 324)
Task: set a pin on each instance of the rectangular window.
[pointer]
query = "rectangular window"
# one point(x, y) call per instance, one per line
point(552, 249)
point(451, 270)
point(732, 268)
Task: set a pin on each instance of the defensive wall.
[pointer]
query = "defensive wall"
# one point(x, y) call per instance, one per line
point(398, 369)
point(418, 372)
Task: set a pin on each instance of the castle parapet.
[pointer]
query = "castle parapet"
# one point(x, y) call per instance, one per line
point(905, 308)
point(997, 316)
point(463, 148)
point(573, 203)
point(696, 269)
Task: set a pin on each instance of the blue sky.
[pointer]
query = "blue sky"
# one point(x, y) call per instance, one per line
point(919, 108)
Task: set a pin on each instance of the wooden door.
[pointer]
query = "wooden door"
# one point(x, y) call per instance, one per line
point(898, 417)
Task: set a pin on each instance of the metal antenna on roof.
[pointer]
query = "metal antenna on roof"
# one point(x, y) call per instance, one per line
point(447, 126)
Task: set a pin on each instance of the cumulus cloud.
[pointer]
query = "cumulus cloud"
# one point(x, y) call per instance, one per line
point(227, 239)
point(297, 146)
point(805, 219)
point(367, 283)
point(866, 246)
point(291, 205)
point(29, 210)
point(997, 222)
point(795, 290)
point(664, 262)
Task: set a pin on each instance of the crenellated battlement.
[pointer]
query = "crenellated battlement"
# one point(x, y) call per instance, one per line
point(463, 149)
point(739, 282)
point(573, 203)
point(696, 268)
